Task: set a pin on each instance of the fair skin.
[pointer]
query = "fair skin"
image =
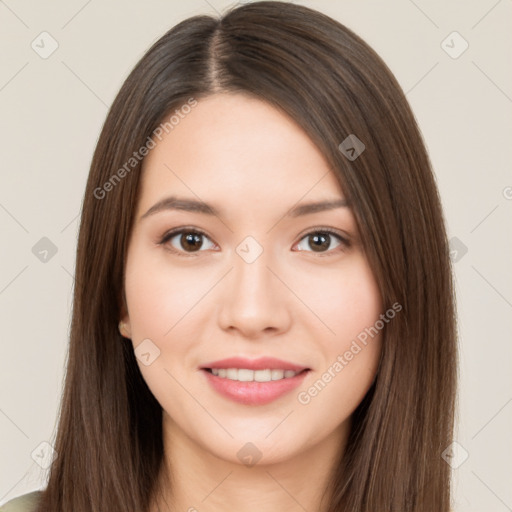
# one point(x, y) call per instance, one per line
point(254, 164)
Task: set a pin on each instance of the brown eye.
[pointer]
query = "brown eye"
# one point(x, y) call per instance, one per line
point(320, 241)
point(190, 241)
point(185, 241)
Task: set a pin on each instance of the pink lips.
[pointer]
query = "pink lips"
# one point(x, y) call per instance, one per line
point(254, 393)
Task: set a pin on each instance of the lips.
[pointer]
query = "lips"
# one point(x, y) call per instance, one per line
point(253, 392)
point(262, 363)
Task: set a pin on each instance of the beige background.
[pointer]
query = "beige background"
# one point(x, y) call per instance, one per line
point(52, 110)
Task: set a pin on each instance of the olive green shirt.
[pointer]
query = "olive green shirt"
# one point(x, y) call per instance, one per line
point(24, 503)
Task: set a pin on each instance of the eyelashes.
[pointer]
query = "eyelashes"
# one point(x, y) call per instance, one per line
point(197, 234)
point(194, 239)
point(321, 234)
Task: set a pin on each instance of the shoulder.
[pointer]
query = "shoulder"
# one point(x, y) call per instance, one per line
point(24, 503)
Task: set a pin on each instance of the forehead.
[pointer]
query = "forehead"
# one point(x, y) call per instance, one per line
point(238, 150)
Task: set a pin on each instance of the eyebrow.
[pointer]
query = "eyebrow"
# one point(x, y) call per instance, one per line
point(195, 206)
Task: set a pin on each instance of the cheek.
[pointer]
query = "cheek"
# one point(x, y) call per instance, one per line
point(346, 301)
point(349, 305)
point(159, 295)
point(158, 299)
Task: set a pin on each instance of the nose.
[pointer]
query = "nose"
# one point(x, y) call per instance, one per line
point(253, 301)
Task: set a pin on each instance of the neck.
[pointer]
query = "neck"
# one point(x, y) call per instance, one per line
point(198, 480)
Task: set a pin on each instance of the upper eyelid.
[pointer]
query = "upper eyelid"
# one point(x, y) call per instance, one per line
point(324, 229)
point(179, 231)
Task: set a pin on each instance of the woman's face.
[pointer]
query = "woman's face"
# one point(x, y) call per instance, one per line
point(259, 278)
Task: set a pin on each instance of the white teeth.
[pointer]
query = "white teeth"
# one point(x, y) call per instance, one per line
point(232, 373)
point(277, 374)
point(262, 375)
point(246, 375)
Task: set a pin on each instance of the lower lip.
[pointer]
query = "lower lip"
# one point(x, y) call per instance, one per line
point(254, 393)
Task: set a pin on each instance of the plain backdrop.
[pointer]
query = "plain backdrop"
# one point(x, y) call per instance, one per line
point(53, 107)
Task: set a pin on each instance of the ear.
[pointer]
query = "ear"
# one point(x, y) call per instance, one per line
point(125, 327)
point(124, 324)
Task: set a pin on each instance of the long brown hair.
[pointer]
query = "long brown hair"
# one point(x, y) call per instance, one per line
point(317, 71)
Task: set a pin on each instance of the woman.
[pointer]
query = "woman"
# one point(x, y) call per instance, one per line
point(263, 312)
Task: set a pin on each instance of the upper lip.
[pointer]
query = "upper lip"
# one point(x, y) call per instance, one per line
point(261, 363)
